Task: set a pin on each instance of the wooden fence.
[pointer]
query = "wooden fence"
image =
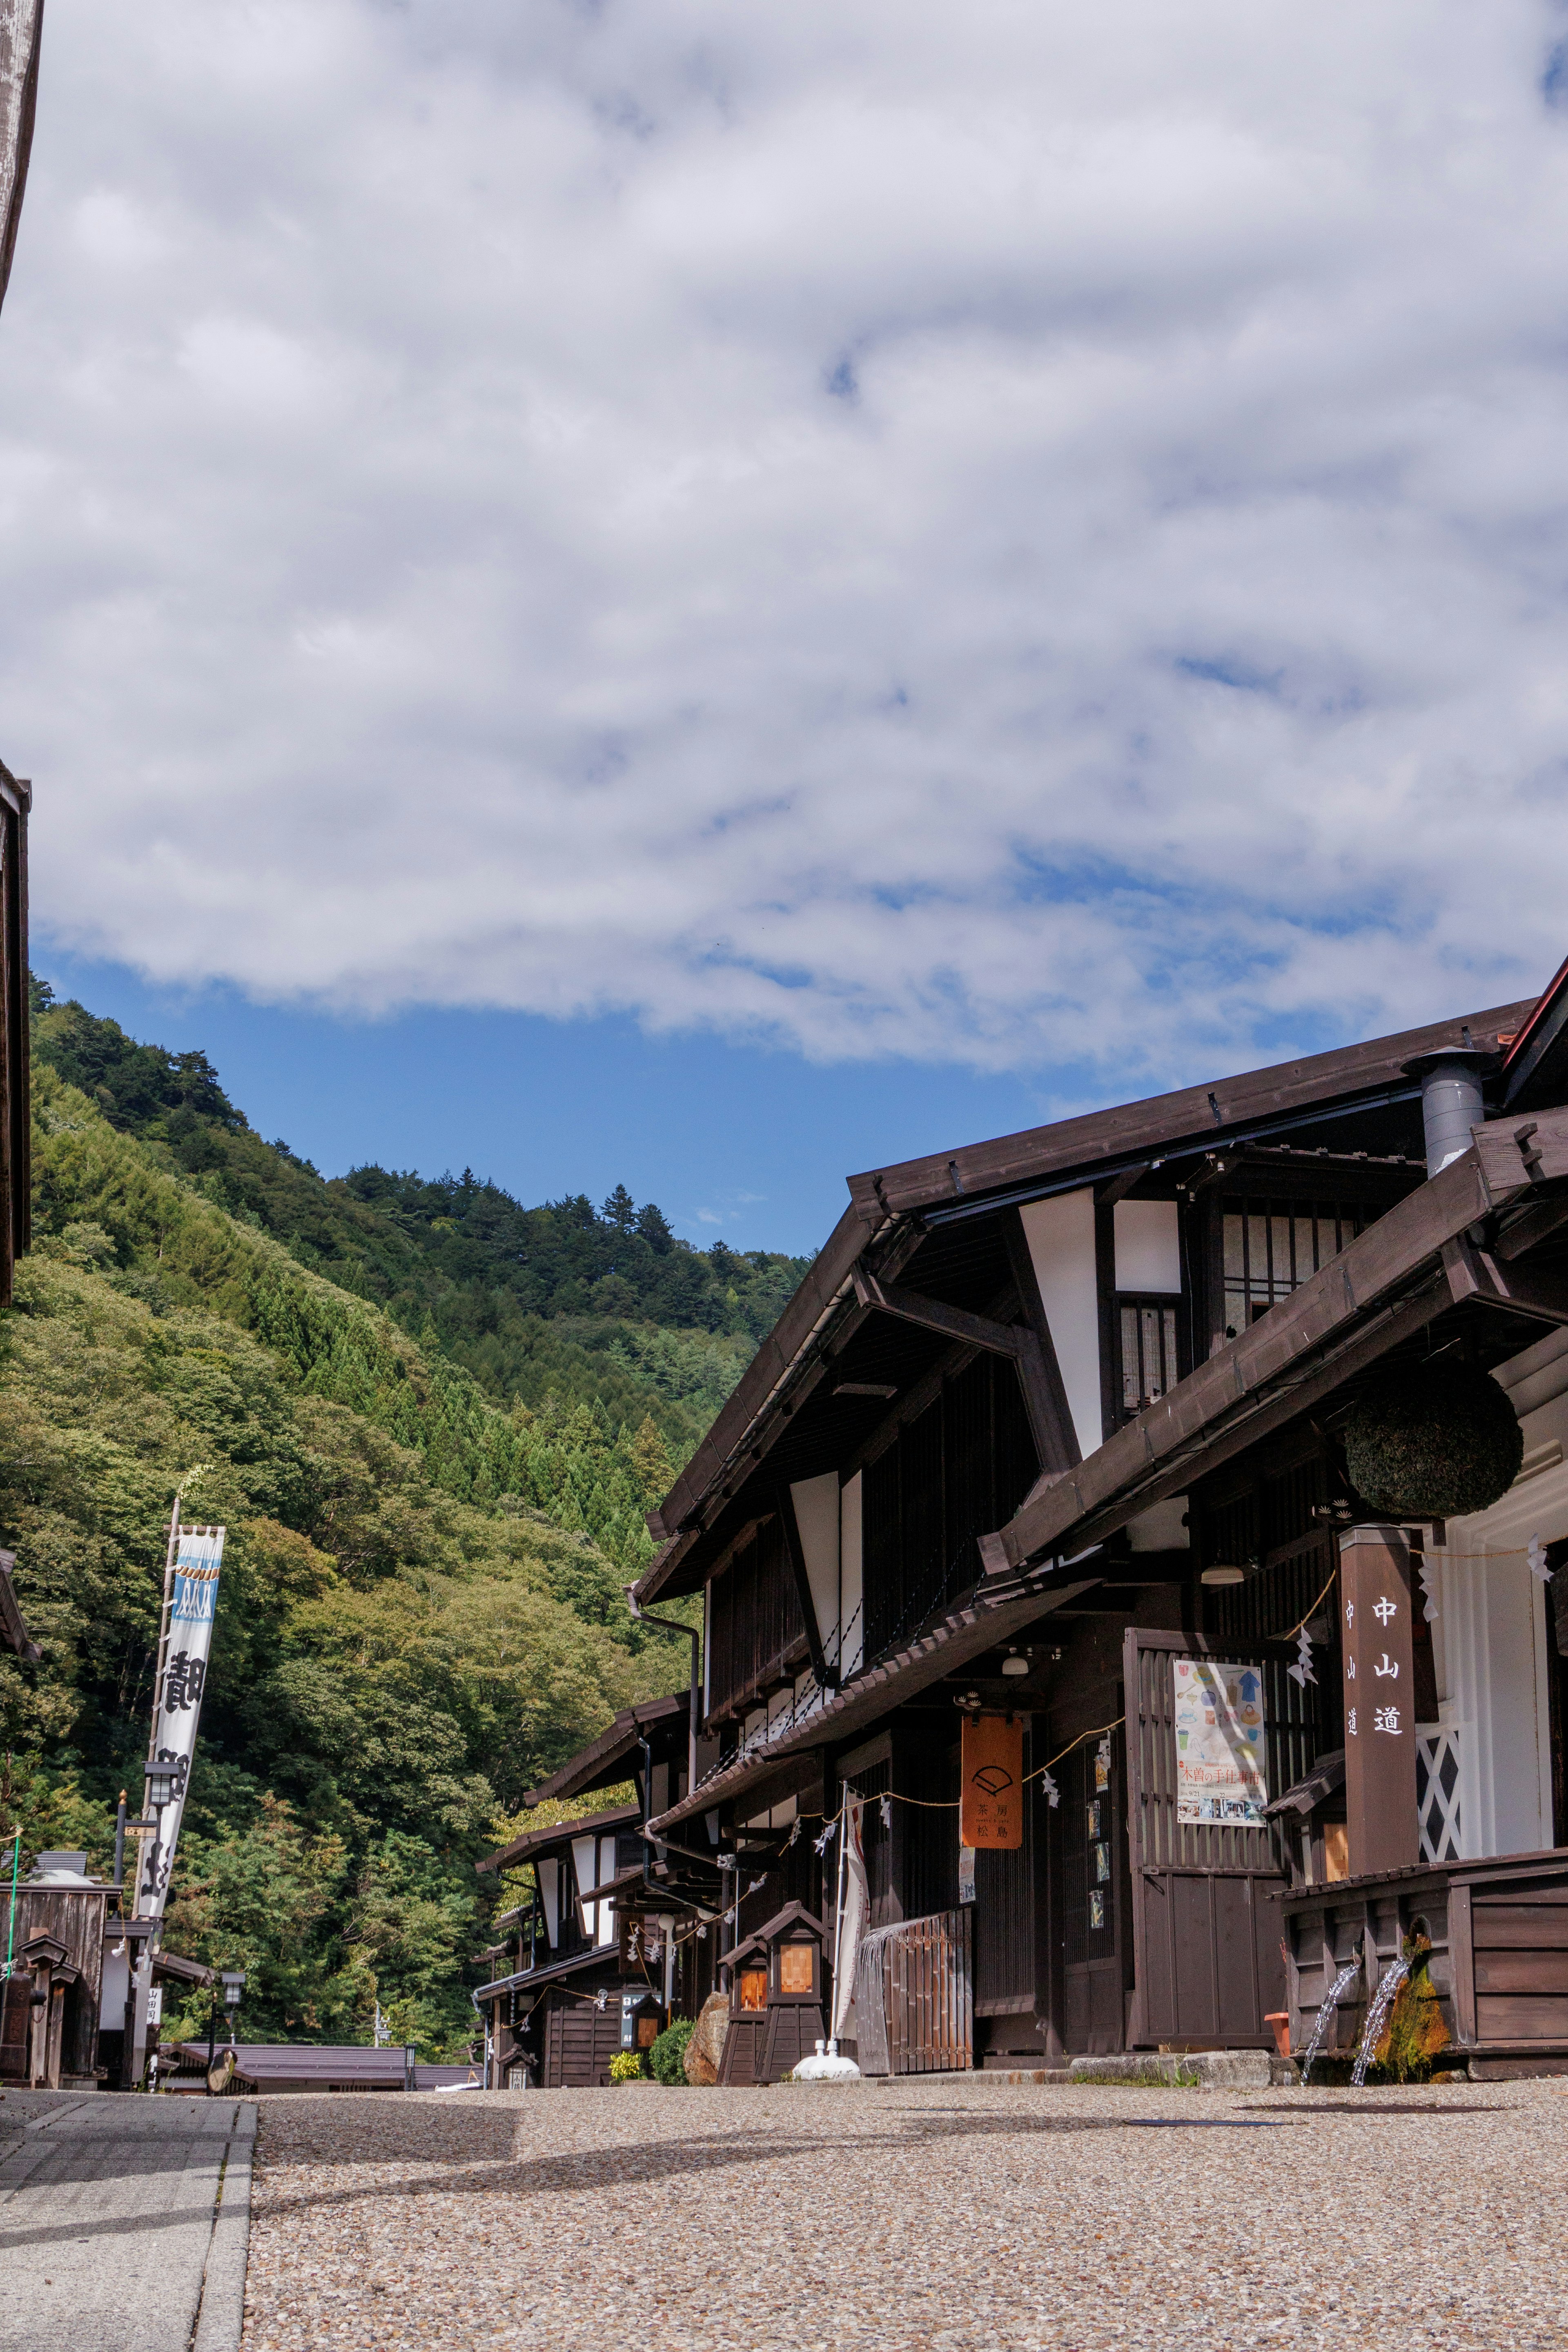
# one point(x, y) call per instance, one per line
point(914, 1996)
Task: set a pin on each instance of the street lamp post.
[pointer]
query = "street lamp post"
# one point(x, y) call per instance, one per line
point(233, 1982)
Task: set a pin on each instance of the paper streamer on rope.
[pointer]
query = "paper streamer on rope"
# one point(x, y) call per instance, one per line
point(1301, 1671)
point(1535, 1560)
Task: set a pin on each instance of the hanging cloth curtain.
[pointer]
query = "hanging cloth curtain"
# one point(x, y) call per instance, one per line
point(855, 1912)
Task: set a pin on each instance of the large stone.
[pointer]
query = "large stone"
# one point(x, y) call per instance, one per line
point(705, 2046)
point(1197, 2070)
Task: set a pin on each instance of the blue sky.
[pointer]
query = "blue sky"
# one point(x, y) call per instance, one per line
point(733, 1142)
point(806, 582)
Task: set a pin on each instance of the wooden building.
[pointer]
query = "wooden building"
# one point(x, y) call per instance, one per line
point(63, 2009)
point(1054, 1430)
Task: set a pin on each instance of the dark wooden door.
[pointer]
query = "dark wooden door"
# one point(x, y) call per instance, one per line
point(1207, 1966)
point(1091, 1886)
point(580, 2040)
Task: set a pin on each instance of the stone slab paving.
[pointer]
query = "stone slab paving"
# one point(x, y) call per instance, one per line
point(108, 2207)
point(960, 2213)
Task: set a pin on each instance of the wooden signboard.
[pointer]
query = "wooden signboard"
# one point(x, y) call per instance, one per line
point(1381, 1826)
point(991, 1778)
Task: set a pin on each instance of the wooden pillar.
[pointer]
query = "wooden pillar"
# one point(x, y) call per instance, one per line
point(1382, 1832)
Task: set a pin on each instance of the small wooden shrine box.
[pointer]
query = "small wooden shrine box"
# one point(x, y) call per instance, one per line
point(775, 1999)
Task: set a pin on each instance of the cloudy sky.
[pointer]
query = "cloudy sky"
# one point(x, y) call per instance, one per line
point(955, 560)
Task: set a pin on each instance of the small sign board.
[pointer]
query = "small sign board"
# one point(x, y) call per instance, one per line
point(990, 1779)
point(1221, 1775)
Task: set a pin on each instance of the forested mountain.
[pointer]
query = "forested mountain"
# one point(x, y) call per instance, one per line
point(595, 1319)
point(412, 1625)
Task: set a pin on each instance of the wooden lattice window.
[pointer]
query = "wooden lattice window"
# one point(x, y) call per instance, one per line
point(1271, 1247)
point(1149, 1367)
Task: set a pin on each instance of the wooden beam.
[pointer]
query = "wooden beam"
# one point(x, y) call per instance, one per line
point(1116, 1188)
point(1533, 1224)
point(1475, 1273)
point(1111, 1412)
point(827, 1678)
point(935, 1314)
point(1045, 1390)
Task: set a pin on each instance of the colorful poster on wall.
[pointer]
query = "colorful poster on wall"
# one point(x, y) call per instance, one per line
point(990, 1775)
point(1220, 1769)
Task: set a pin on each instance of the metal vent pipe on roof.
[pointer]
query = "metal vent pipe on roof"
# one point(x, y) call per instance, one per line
point(1451, 1100)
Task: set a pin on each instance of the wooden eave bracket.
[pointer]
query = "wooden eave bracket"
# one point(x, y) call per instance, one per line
point(934, 1314)
point(1475, 1273)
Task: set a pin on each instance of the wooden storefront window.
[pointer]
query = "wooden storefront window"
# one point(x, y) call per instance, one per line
point(794, 1967)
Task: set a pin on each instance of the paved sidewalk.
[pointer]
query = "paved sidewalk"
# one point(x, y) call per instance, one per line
point(124, 2222)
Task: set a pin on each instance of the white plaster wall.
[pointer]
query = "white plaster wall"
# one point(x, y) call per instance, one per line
point(583, 1862)
point(1061, 1235)
point(817, 1516)
point(1161, 1528)
point(851, 1587)
point(1148, 1245)
point(549, 1872)
point(1492, 1635)
point(607, 1933)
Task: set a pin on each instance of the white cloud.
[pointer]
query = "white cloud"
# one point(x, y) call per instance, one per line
point(1007, 533)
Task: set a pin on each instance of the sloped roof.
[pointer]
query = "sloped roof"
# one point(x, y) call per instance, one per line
point(596, 1765)
point(535, 1841)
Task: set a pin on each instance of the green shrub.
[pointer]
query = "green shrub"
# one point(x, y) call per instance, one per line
point(625, 2066)
point(1433, 1442)
point(668, 2056)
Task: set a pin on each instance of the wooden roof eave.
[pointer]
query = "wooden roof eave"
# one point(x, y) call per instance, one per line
point(826, 1294)
point(537, 1842)
point(989, 1618)
point(614, 1744)
point(1202, 1116)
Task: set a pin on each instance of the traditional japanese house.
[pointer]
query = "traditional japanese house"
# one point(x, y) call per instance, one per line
point(615, 1937)
point(1059, 1431)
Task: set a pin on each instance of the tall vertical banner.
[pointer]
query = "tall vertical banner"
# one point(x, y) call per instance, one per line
point(854, 1918)
point(184, 1655)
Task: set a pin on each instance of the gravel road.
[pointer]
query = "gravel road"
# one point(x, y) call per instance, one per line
point(956, 2212)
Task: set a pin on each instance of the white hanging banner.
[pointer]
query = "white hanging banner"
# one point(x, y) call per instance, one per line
point(181, 1681)
point(853, 1919)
